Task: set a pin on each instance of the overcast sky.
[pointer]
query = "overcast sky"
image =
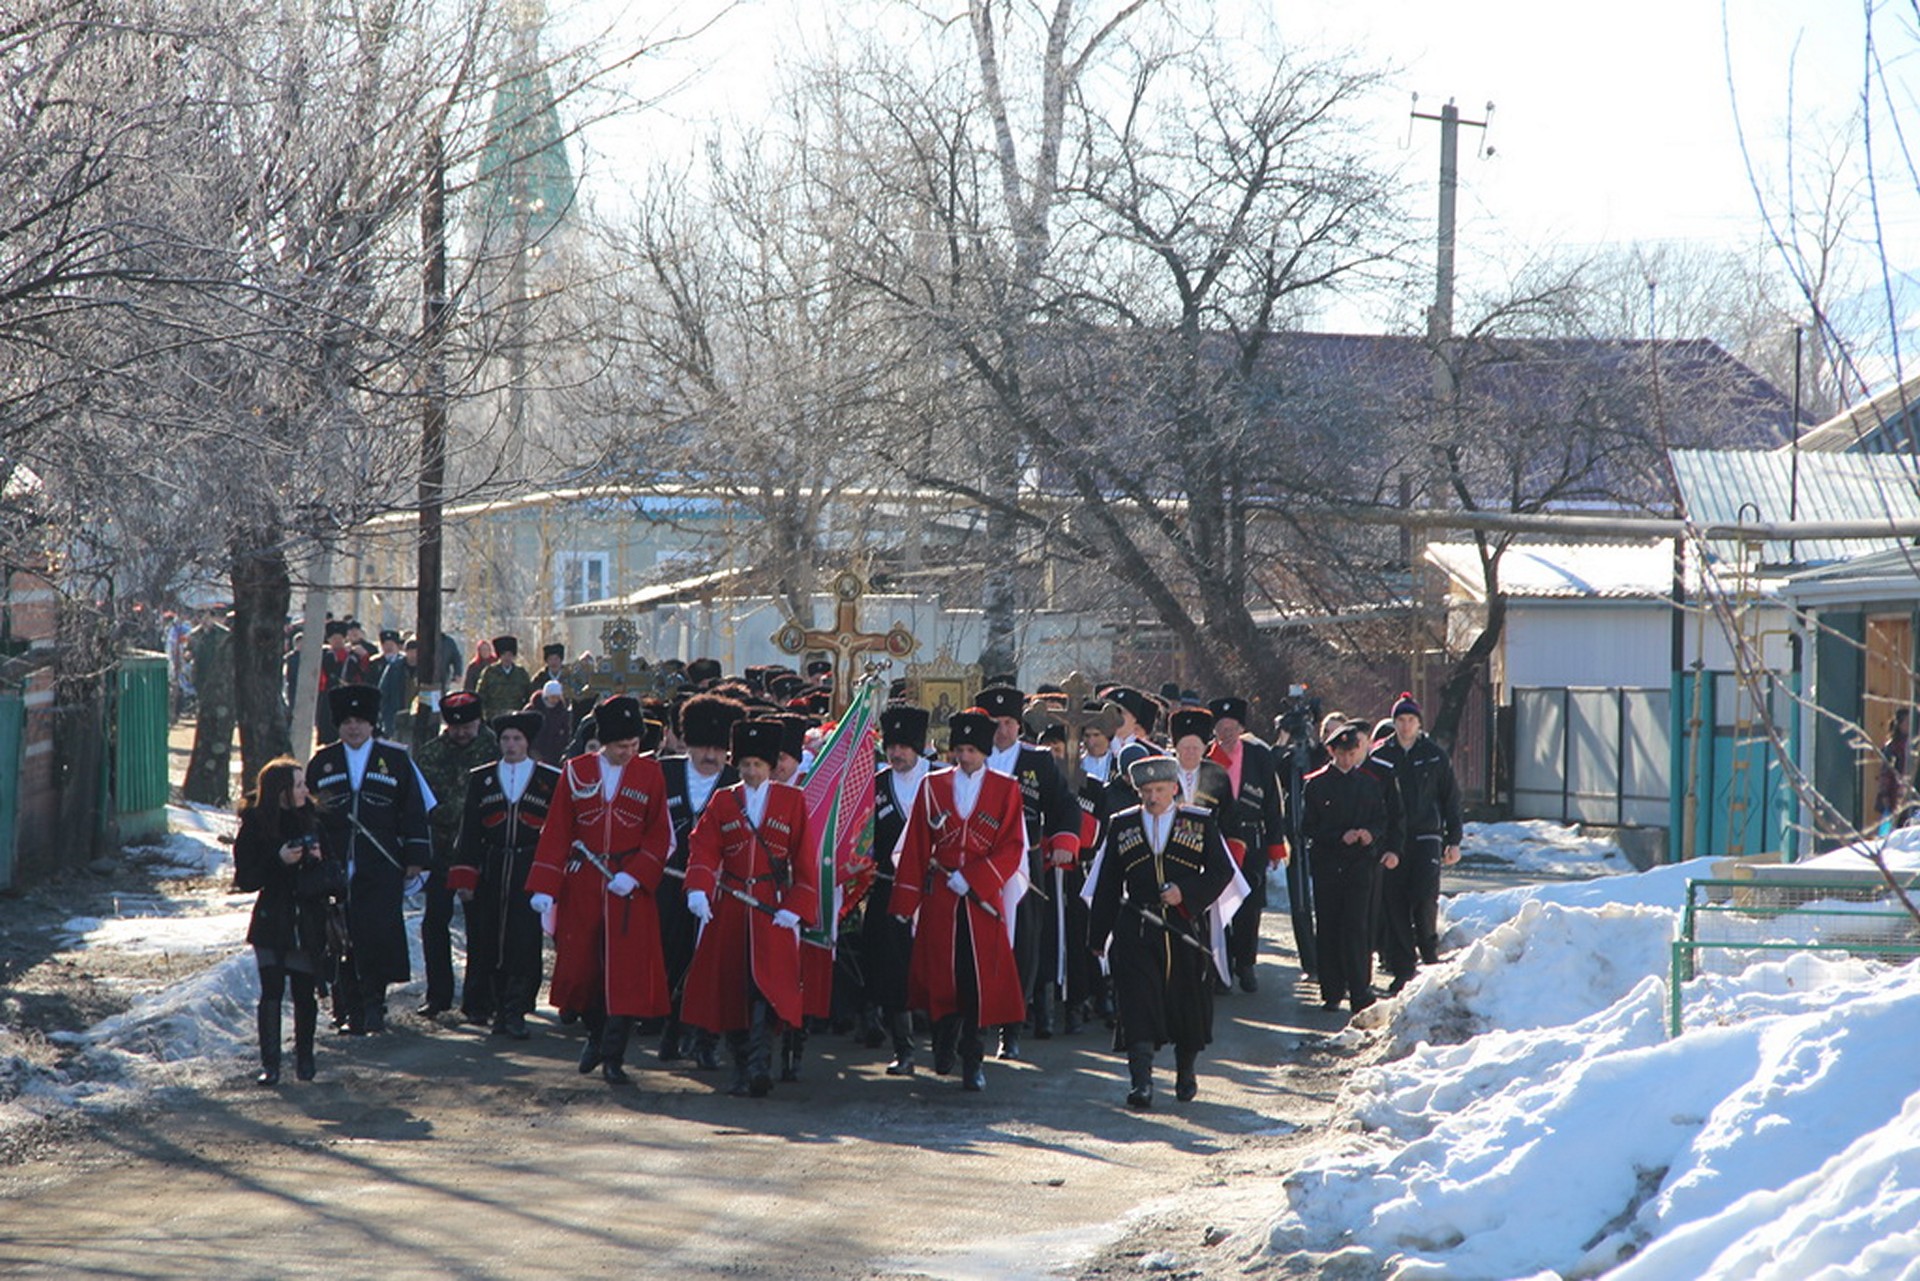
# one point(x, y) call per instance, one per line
point(1613, 123)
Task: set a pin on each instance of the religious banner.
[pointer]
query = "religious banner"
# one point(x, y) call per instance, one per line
point(943, 686)
point(840, 791)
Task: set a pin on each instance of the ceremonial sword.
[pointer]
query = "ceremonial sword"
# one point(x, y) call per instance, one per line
point(724, 888)
point(984, 906)
point(1182, 935)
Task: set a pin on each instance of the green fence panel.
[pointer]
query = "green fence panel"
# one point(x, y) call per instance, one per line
point(141, 717)
point(13, 734)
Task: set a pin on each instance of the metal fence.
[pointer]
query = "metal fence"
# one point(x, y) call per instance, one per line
point(1730, 925)
point(142, 709)
point(1592, 755)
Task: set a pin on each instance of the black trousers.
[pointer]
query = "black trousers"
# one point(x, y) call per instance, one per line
point(436, 939)
point(1345, 887)
point(960, 1031)
point(1410, 908)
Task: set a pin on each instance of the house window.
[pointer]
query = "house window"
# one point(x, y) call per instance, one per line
point(579, 577)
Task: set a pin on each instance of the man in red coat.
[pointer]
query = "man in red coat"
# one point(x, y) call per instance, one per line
point(601, 857)
point(961, 866)
point(745, 976)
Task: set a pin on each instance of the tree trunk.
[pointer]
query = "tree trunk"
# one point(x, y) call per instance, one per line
point(1465, 671)
point(262, 595)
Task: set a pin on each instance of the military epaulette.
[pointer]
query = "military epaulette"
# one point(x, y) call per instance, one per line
point(1317, 773)
point(1198, 811)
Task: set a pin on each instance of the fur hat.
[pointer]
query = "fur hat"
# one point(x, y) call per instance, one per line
point(506, 645)
point(1138, 703)
point(618, 718)
point(1153, 769)
point(528, 723)
point(760, 740)
point(1000, 700)
point(702, 670)
point(355, 702)
point(906, 726)
point(706, 720)
point(970, 729)
point(793, 734)
point(1190, 720)
point(553, 650)
point(460, 707)
point(1231, 708)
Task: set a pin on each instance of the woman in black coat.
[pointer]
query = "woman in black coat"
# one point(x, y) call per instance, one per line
point(275, 853)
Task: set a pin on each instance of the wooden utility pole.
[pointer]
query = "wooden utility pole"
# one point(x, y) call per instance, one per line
point(433, 436)
point(1440, 316)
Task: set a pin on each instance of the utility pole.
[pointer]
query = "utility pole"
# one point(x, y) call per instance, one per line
point(1440, 316)
point(433, 436)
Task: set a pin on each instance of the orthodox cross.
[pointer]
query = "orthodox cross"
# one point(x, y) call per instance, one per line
point(618, 670)
point(844, 640)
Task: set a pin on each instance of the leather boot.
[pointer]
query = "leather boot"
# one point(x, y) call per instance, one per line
point(590, 1052)
point(873, 1029)
point(267, 1019)
point(375, 1017)
point(613, 1050)
point(516, 1000)
point(1043, 1013)
point(306, 1015)
point(760, 1052)
point(902, 1026)
point(706, 1051)
point(1140, 1070)
point(670, 1048)
point(737, 1047)
point(973, 1076)
point(1186, 1083)
point(1010, 1041)
point(1074, 1014)
point(945, 1034)
point(793, 1044)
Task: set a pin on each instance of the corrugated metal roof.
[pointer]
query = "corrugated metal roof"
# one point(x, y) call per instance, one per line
point(1568, 571)
point(1857, 425)
point(1728, 485)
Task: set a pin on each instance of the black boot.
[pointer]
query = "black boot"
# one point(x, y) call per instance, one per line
point(945, 1034)
point(590, 1052)
point(706, 1051)
point(670, 1047)
point(375, 1017)
point(1042, 1012)
point(613, 1050)
point(973, 1075)
point(1186, 1083)
point(1074, 1014)
point(873, 1029)
point(793, 1044)
point(760, 1052)
point(737, 1047)
point(1140, 1070)
point(1010, 1041)
point(902, 1064)
point(306, 1015)
point(516, 1000)
point(267, 1018)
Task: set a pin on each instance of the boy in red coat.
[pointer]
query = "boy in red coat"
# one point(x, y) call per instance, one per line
point(601, 856)
point(751, 839)
point(961, 867)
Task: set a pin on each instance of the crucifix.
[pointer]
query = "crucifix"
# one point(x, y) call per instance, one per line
point(844, 640)
point(1076, 719)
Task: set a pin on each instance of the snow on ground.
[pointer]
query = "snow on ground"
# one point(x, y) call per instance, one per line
point(1533, 1118)
point(1543, 848)
point(193, 1032)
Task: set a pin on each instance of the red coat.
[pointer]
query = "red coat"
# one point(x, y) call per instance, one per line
point(605, 945)
point(989, 848)
point(738, 941)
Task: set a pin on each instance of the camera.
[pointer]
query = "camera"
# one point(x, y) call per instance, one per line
point(1299, 716)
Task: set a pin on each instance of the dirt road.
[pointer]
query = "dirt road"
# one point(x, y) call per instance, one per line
point(439, 1151)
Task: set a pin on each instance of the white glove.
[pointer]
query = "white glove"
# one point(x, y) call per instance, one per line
point(786, 920)
point(697, 904)
point(541, 903)
point(957, 882)
point(622, 885)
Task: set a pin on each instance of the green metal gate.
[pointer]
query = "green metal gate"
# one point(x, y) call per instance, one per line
point(13, 732)
point(140, 747)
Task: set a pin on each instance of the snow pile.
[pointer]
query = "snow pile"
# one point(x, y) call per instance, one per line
point(1900, 848)
point(1541, 847)
point(199, 842)
point(1562, 1133)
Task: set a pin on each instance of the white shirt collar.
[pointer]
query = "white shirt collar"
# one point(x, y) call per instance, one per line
point(700, 787)
point(357, 758)
point(514, 779)
point(609, 779)
point(756, 802)
point(1004, 759)
point(907, 786)
point(1158, 826)
point(966, 791)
